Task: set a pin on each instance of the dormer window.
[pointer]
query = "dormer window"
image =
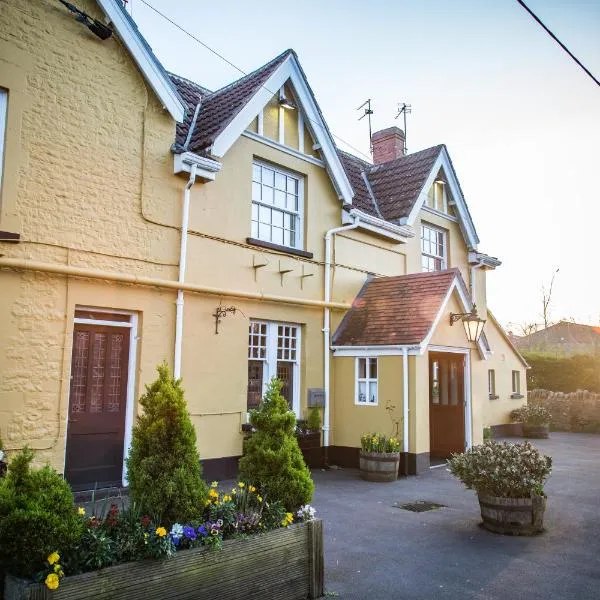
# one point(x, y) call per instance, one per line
point(434, 249)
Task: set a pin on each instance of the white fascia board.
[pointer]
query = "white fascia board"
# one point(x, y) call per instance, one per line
point(397, 233)
point(143, 57)
point(288, 69)
point(466, 306)
point(373, 351)
point(467, 225)
point(205, 167)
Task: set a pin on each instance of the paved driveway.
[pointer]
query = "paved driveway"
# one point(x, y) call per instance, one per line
point(375, 551)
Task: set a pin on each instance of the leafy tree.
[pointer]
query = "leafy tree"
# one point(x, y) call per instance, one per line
point(37, 516)
point(272, 458)
point(164, 470)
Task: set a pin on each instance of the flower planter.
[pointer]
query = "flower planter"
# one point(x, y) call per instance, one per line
point(513, 516)
point(540, 432)
point(310, 446)
point(285, 563)
point(379, 466)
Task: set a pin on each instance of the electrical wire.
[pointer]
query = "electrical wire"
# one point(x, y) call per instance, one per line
point(557, 41)
point(231, 64)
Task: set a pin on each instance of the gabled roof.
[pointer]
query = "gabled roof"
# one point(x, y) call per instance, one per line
point(153, 72)
point(391, 311)
point(562, 332)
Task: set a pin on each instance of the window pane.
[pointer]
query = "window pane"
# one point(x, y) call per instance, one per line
point(362, 368)
point(292, 203)
point(267, 195)
point(277, 218)
point(292, 185)
point(279, 199)
point(373, 368)
point(268, 176)
point(373, 392)
point(362, 392)
point(256, 173)
point(254, 229)
point(264, 232)
point(264, 214)
point(280, 181)
point(256, 191)
point(277, 236)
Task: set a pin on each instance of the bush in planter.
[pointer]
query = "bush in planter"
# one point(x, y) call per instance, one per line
point(531, 414)
point(378, 442)
point(272, 458)
point(37, 516)
point(314, 420)
point(164, 471)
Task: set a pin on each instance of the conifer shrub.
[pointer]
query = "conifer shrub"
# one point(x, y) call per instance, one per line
point(37, 516)
point(164, 470)
point(272, 458)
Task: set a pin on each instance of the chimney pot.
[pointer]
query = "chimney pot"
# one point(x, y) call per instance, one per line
point(388, 144)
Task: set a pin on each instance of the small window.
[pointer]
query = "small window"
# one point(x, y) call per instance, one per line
point(433, 249)
point(366, 381)
point(276, 206)
point(3, 118)
point(516, 383)
point(492, 384)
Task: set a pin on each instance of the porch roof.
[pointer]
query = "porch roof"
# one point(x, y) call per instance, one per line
point(394, 311)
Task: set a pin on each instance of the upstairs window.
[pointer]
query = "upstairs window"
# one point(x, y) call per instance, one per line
point(276, 206)
point(366, 381)
point(433, 249)
point(3, 117)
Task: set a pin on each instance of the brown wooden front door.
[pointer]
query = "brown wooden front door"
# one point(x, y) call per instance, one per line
point(446, 404)
point(97, 403)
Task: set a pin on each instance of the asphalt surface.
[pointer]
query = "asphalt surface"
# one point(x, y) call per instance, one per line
point(374, 550)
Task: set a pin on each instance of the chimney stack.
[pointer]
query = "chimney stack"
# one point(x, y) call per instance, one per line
point(388, 144)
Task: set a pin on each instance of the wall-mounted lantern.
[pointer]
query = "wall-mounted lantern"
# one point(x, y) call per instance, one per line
point(472, 323)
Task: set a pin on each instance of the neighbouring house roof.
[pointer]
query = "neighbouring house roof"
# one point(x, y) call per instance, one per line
point(563, 332)
point(396, 311)
point(141, 52)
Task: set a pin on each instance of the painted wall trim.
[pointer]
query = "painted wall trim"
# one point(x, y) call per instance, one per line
point(375, 351)
point(31, 265)
point(206, 168)
point(273, 144)
point(143, 56)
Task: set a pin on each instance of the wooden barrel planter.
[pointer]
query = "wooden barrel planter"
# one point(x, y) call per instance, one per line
point(286, 564)
point(539, 432)
point(379, 466)
point(513, 516)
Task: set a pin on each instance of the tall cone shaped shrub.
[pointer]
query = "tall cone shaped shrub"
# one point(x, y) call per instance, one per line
point(164, 470)
point(272, 458)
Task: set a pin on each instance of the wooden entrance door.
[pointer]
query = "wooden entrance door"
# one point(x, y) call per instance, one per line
point(97, 403)
point(446, 404)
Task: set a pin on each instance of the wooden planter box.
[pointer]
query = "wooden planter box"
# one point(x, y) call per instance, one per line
point(312, 451)
point(513, 516)
point(540, 432)
point(285, 564)
point(379, 466)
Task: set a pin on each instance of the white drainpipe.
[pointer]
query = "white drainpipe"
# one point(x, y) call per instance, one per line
point(405, 398)
point(326, 321)
point(182, 264)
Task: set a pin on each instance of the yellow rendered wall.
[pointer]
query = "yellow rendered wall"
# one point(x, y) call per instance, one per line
point(351, 420)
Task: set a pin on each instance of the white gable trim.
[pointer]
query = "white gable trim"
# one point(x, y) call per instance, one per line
point(466, 306)
point(374, 351)
point(467, 225)
point(288, 69)
point(143, 57)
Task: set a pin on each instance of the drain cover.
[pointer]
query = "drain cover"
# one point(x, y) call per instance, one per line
point(418, 506)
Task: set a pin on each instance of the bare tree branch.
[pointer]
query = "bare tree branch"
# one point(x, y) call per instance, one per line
point(546, 298)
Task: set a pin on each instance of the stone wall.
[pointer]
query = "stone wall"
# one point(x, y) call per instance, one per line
point(576, 411)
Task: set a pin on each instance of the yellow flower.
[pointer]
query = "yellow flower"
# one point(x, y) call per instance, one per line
point(212, 493)
point(287, 520)
point(214, 484)
point(226, 498)
point(207, 502)
point(251, 489)
point(241, 485)
point(58, 570)
point(53, 558)
point(259, 498)
point(52, 581)
point(161, 531)
point(81, 511)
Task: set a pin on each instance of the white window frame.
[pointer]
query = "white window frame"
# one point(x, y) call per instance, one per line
point(3, 125)
point(492, 384)
point(444, 256)
point(270, 360)
point(516, 389)
point(299, 214)
point(366, 380)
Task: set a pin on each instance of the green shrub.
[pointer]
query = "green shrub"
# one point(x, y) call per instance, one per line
point(37, 516)
point(314, 419)
point(502, 469)
point(487, 433)
point(272, 458)
point(563, 374)
point(531, 414)
point(164, 471)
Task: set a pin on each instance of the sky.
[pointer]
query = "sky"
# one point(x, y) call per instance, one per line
point(520, 119)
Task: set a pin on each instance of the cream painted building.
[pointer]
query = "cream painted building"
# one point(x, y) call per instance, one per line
point(145, 218)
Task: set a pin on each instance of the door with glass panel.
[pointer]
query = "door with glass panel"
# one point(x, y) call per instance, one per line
point(273, 351)
point(446, 404)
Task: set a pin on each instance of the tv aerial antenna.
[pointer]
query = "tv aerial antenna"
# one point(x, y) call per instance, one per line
point(368, 111)
point(404, 109)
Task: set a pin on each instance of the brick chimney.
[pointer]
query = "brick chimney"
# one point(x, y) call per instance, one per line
point(388, 144)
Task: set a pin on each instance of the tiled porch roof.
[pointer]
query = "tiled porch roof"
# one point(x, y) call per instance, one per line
point(396, 310)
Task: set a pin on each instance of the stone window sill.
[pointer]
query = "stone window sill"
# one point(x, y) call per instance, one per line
point(493, 397)
point(279, 248)
point(517, 396)
point(9, 236)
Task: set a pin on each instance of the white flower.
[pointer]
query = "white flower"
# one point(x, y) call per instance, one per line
point(176, 531)
point(306, 512)
point(1, 454)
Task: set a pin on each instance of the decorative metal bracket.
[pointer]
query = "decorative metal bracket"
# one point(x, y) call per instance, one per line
point(303, 276)
point(220, 313)
point(258, 263)
point(283, 269)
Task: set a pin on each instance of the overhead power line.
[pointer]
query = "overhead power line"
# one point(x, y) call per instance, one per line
point(231, 64)
point(558, 41)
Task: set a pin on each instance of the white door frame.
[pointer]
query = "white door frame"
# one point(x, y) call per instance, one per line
point(131, 368)
point(467, 385)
